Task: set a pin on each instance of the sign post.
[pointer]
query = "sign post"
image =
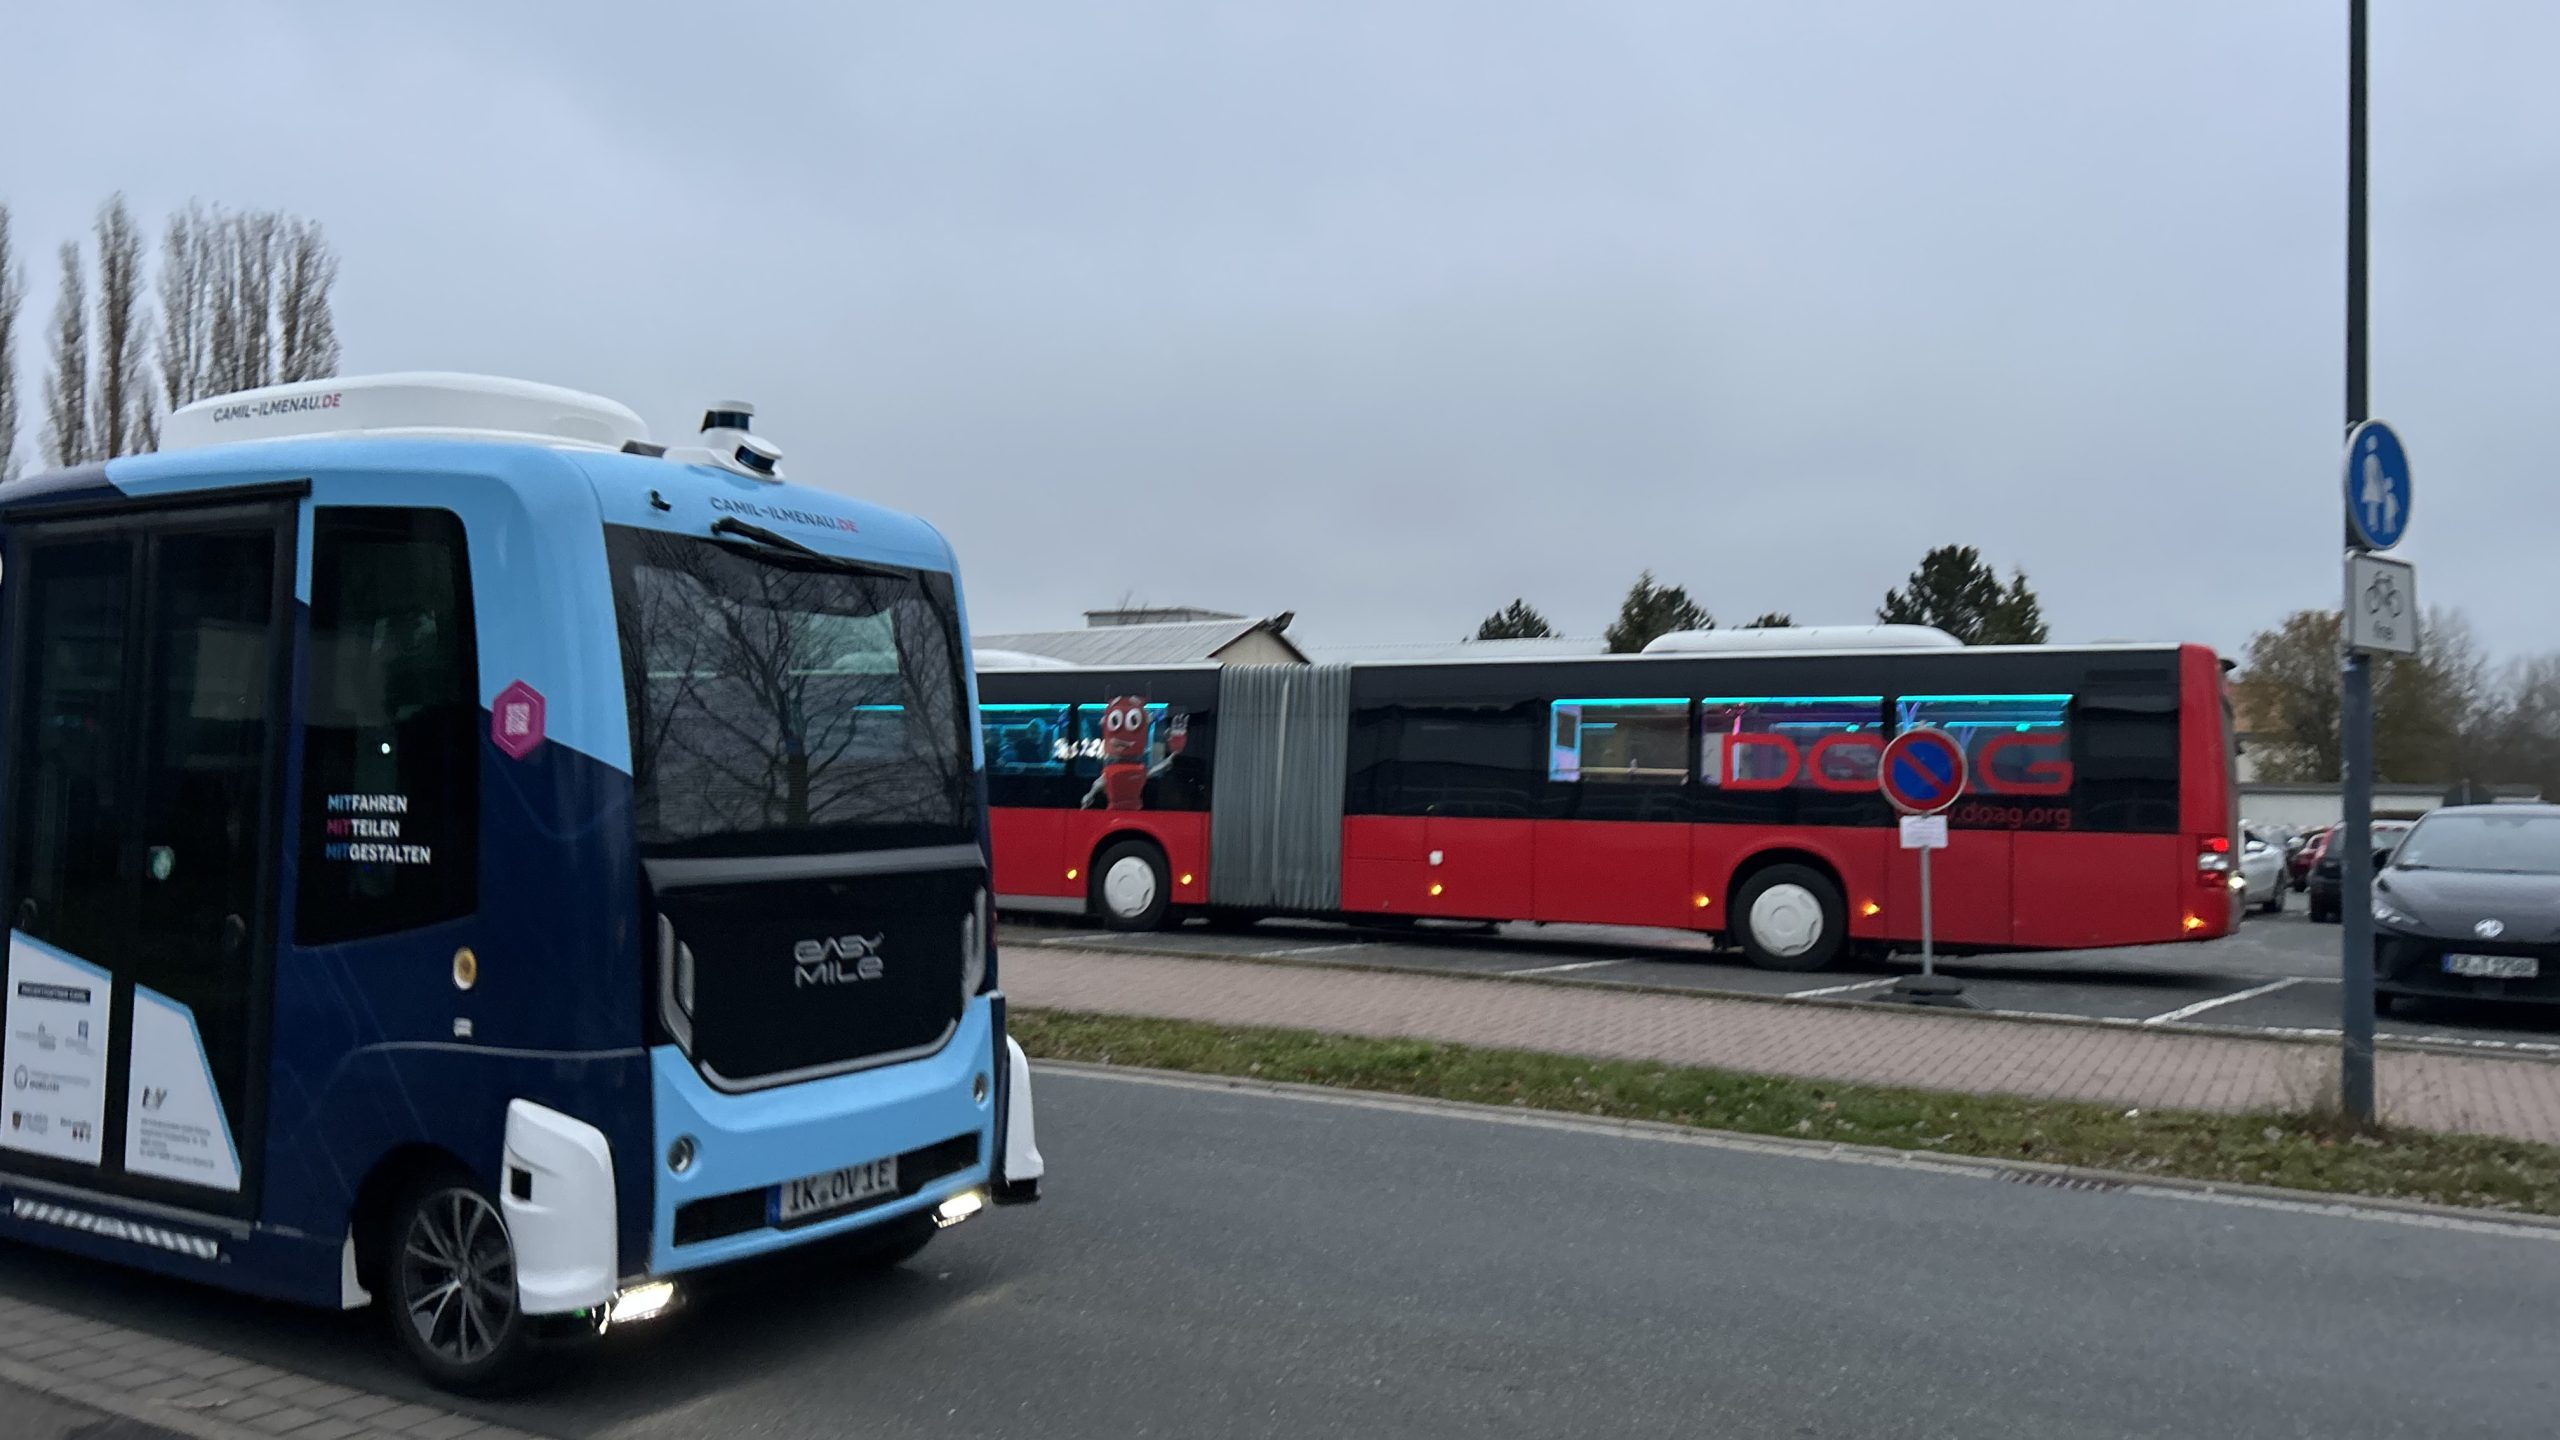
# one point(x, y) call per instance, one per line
point(2379, 613)
point(1922, 773)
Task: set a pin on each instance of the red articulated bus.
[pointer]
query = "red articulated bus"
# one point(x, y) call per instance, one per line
point(1726, 793)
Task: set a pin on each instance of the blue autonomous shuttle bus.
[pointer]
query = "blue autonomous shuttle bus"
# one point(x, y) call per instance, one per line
point(461, 854)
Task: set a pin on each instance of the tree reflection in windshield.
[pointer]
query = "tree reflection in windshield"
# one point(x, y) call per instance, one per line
point(776, 698)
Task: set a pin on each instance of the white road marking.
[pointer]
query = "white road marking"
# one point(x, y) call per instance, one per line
point(1842, 989)
point(1073, 939)
point(1303, 950)
point(1966, 1167)
point(1560, 969)
point(2235, 997)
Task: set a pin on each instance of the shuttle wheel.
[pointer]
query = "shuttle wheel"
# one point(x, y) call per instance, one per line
point(449, 1276)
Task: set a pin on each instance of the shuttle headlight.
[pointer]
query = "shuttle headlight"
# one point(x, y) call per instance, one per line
point(958, 1208)
point(973, 948)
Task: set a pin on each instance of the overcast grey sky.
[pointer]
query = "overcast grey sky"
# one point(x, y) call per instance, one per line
point(1388, 310)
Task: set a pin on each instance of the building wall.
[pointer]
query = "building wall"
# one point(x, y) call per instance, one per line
point(2316, 807)
point(1258, 647)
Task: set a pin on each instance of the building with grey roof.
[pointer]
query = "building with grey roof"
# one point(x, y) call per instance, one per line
point(1126, 638)
point(1544, 647)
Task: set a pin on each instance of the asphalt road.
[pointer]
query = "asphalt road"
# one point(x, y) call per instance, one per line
point(1220, 1262)
point(2276, 973)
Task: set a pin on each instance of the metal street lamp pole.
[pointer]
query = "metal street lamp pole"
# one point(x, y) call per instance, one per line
point(2355, 688)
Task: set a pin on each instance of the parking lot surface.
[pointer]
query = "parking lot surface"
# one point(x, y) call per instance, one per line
point(2277, 974)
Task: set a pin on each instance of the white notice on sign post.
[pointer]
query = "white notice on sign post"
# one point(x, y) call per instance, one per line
point(1924, 832)
point(2382, 605)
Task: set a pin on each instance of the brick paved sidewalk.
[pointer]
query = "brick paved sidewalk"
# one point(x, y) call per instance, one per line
point(2114, 1065)
point(156, 1387)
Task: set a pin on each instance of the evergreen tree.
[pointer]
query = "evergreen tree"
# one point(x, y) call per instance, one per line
point(1653, 610)
point(1955, 591)
point(1515, 621)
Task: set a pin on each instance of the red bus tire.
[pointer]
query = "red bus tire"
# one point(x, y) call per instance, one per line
point(1130, 888)
point(1790, 917)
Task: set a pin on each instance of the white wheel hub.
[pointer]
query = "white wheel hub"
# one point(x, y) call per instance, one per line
point(1786, 920)
point(1129, 887)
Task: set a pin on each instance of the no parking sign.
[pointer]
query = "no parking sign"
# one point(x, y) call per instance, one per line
point(1922, 773)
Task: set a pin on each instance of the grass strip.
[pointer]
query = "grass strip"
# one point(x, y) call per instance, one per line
point(2307, 1149)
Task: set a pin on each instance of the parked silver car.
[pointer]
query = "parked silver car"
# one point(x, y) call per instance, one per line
point(2261, 876)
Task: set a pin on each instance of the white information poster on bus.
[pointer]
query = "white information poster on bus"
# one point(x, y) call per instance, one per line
point(174, 1127)
point(55, 1055)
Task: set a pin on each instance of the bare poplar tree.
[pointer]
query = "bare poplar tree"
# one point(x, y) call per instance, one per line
point(244, 302)
point(13, 293)
point(307, 334)
point(190, 262)
point(121, 416)
point(244, 313)
point(66, 386)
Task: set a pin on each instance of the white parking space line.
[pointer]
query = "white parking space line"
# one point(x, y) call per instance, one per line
point(2187, 1012)
point(1302, 950)
point(1560, 969)
point(1843, 989)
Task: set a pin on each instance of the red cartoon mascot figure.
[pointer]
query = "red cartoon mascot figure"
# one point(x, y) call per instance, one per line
point(1124, 754)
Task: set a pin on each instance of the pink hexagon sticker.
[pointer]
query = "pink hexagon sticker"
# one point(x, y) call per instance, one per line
point(515, 720)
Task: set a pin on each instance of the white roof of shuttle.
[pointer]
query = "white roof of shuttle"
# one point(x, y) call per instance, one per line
point(415, 404)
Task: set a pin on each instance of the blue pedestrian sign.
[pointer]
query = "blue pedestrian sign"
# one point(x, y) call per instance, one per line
point(1922, 771)
point(2377, 482)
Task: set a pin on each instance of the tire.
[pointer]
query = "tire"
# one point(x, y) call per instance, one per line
point(1791, 918)
point(1131, 890)
point(2402, 1006)
point(448, 1272)
point(2323, 914)
point(2275, 902)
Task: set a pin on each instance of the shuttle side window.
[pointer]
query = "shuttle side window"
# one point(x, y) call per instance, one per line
point(391, 727)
